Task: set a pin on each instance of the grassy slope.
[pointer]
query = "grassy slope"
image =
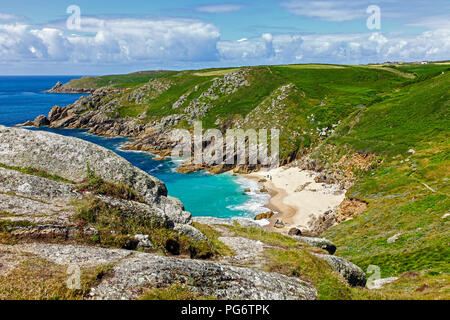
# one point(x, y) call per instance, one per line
point(116, 81)
point(400, 203)
point(331, 94)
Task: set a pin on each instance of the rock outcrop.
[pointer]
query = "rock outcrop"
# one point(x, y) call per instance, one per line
point(60, 88)
point(318, 243)
point(351, 272)
point(69, 158)
point(133, 273)
point(211, 279)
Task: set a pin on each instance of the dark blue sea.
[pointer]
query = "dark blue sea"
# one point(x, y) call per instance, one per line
point(23, 98)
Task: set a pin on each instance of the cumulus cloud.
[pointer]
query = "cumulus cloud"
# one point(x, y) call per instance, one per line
point(335, 48)
point(220, 8)
point(114, 40)
point(187, 43)
point(9, 17)
point(245, 49)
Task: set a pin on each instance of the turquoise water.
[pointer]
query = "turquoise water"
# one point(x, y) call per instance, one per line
point(21, 99)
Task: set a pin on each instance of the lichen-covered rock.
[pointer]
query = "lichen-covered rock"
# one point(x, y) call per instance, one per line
point(318, 243)
point(68, 158)
point(190, 231)
point(83, 256)
point(351, 272)
point(132, 275)
point(243, 222)
point(246, 251)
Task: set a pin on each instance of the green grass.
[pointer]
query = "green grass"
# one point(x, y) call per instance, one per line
point(7, 225)
point(173, 292)
point(270, 238)
point(116, 228)
point(98, 186)
point(6, 214)
point(39, 279)
point(117, 81)
point(418, 113)
point(220, 249)
point(408, 193)
point(297, 263)
point(36, 172)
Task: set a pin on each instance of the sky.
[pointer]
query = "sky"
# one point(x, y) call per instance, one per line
point(93, 37)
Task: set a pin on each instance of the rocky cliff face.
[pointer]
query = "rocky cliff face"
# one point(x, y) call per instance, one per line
point(98, 113)
point(61, 88)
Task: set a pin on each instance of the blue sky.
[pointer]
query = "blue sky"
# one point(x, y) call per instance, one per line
point(125, 36)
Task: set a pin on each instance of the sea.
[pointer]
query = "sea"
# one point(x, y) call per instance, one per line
point(23, 98)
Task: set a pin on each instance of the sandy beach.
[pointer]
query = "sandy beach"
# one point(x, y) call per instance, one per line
point(296, 197)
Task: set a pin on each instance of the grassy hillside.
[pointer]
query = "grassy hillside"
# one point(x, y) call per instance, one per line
point(408, 193)
point(319, 97)
point(116, 81)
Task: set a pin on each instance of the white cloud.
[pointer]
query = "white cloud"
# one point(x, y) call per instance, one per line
point(245, 49)
point(114, 40)
point(7, 17)
point(185, 43)
point(433, 22)
point(220, 8)
point(335, 48)
point(326, 10)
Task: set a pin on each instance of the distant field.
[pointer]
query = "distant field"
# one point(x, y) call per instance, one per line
point(213, 73)
point(313, 66)
point(117, 81)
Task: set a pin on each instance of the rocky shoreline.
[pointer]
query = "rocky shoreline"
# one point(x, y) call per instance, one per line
point(64, 88)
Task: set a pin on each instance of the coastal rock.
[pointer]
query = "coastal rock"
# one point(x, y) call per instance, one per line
point(279, 224)
point(130, 276)
point(60, 88)
point(68, 158)
point(218, 221)
point(35, 199)
point(190, 231)
point(295, 232)
point(41, 121)
point(266, 215)
point(56, 87)
point(318, 243)
point(393, 238)
point(190, 168)
point(351, 272)
point(143, 241)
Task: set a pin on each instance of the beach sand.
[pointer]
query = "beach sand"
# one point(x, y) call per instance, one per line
point(296, 197)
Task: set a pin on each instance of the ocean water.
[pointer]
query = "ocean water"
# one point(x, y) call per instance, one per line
point(22, 99)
